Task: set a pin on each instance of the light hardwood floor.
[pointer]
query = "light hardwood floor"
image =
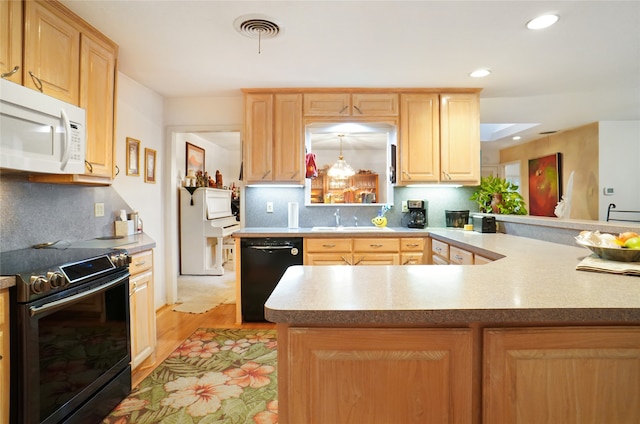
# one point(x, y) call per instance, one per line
point(174, 327)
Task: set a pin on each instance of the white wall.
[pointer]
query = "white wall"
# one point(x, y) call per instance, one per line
point(217, 158)
point(619, 160)
point(140, 116)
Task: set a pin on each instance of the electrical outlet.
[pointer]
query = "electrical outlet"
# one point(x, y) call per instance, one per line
point(98, 209)
point(270, 207)
point(405, 208)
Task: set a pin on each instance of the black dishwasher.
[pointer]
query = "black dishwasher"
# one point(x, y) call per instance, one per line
point(263, 261)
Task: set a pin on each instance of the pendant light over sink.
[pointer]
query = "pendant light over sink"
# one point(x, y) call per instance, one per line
point(341, 170)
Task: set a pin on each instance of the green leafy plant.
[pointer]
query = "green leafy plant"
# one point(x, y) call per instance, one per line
point(497, 195)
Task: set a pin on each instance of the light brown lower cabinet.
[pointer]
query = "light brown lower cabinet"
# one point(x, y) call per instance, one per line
point(576, 375)
point(518, 375)
point(364, 251)
point(143, 314)
point(412, 375)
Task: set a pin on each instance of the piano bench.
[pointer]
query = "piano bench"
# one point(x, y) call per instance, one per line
point(228, 250)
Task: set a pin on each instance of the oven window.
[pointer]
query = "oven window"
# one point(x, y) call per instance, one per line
point(80, 343)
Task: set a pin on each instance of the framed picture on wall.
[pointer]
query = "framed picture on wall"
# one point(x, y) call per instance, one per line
point(194, 158)
point(149, 166)
point(545, 184)
point(133, 156)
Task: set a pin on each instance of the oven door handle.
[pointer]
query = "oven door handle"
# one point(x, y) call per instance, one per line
point(35, 310)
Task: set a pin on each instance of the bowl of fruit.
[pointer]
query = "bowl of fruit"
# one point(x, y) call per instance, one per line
point(624, 247)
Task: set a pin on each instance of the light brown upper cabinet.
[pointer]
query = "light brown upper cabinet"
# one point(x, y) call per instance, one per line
point(66, 58)
point(439, 138)
point(273, 144)
point(51, 52)
point(97, 90)
point(350, 104)
point(11, 40)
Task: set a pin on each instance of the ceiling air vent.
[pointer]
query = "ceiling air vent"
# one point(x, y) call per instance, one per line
point(257, 27)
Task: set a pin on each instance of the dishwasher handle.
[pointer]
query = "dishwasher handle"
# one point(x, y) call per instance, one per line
point(270, 247)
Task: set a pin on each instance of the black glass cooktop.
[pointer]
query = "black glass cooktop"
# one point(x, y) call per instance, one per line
point(32, 260)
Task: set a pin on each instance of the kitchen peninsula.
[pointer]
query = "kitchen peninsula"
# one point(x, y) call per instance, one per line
point(526, 336)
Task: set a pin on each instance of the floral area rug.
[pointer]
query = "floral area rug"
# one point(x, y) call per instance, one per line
point(222, 376)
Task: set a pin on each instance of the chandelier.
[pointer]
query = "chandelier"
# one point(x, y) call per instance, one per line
point(341, 170)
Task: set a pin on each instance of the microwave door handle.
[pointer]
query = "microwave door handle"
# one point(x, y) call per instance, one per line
point(67, 140)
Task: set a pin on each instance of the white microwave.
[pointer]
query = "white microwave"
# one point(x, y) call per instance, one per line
point(39, 133)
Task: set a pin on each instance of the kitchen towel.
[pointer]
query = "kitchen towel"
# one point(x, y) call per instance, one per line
point(595, 263)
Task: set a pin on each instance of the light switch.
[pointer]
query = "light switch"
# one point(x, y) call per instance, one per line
point(608, 191)
point(269, 207)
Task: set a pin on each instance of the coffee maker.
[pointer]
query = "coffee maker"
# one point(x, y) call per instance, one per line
point(417, 214)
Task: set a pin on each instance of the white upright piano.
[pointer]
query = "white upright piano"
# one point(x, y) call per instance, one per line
point(205, 220)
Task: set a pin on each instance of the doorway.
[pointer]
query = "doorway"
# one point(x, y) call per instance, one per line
point(211, 138)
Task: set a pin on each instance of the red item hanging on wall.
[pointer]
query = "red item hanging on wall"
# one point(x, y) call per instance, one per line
point(312, 169)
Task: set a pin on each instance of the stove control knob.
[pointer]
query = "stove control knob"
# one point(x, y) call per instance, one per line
point(121, 260)
point(39, 284)
point(56, 279)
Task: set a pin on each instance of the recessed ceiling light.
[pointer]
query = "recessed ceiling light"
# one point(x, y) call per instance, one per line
point(479, 73)
point(542, 22)
point(516, 137)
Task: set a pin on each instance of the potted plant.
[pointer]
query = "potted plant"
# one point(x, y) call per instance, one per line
point(497, 195)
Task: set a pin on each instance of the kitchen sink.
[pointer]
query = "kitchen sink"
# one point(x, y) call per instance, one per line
point(352, 229)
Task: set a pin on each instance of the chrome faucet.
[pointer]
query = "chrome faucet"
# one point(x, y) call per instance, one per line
point(337, 215)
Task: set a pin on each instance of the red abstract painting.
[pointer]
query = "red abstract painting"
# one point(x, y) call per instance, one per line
point(544, 185)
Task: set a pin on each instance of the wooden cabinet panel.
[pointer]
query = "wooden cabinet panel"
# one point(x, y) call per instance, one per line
point(460, 138)
point(480, 260)
point(327, 104)
point(274, 138)
point(97, 94)
point(340, 258)
point(376, 259)
point(412, 244)
point(419, 144)
point(562, 375)
point(51, 52)
point(408, 258)
point(460, 256)
point(11, 39)
point(350, 104)
point(4, 356)
point(440, 248)
point(374, 104)
point(288, 139)
point(143, 315)
point(327, 245)
point(376, 245)
point(258, 149)
point(342, 376)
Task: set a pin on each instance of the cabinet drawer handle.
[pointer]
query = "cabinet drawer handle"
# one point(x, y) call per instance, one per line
point(358, 109)
point(36, 81)
point(343, 109)
point(407, 176)
point(458, 257)
point(329, 246)
point(266, 173)
point(376, 245)
point(141, 263)
point(446, 174)
point(11, 72)
point(438, 249)
point(412, 245)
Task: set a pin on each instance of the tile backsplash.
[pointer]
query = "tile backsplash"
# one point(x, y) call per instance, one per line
point(437, 200)
point(32, 213)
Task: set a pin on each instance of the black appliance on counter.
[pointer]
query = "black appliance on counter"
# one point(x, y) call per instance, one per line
point(263, 261)
point(417, 214)
point(70, 335)
point(484, 224)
